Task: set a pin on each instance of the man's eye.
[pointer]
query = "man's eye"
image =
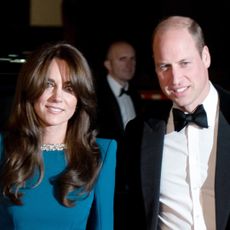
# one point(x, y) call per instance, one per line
point(163, 67)
point(185, 63)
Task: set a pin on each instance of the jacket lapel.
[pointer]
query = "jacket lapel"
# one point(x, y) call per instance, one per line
point(222, 178)
point(222, 181)
point(151, 158)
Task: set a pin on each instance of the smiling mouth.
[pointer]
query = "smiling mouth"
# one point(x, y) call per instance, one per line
point(54, 109)
point(180, 90)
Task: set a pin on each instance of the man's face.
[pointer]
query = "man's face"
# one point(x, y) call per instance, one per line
point(182, 71)
point(121, 63)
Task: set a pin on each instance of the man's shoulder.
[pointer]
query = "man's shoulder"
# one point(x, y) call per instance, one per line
point(103, 91)
point(224, 96)
point(158, 109)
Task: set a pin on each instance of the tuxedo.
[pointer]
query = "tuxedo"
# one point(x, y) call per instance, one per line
point(110, 125)
point(109, 118)
point(144, 140)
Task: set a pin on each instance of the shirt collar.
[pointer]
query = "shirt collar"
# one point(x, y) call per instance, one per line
point(210, 104)
point(115, 86)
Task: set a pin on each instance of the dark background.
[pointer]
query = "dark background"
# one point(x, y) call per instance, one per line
point(96, 24)
point(92, 25)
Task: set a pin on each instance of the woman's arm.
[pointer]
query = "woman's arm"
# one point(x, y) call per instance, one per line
point(105, 185)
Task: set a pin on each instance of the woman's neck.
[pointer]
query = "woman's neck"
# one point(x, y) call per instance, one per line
point(54, 135)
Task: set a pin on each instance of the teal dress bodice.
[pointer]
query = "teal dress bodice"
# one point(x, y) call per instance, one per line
point(40, 209)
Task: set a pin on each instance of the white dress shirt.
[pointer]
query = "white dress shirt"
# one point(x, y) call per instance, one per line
point(125, 102)
point(187, 198)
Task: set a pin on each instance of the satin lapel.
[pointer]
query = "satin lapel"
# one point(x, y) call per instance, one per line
point(116, 117)
point(151, 157)
point(108, 105)
point(222, 181)
point(117, 113)
point(136, 99)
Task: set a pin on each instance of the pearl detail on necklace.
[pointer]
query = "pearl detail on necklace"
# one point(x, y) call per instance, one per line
point(53, 147)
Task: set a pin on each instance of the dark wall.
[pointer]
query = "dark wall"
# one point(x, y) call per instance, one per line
point(17, 36)
point(14, 21)
point(93, 24)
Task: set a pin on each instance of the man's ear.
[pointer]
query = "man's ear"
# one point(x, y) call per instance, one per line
point(206, 57)
point(107, 64)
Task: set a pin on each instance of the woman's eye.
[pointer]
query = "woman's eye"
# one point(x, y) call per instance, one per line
point(69, 88)
point(49, 84)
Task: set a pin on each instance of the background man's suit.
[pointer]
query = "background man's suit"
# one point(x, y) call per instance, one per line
point(110, 125)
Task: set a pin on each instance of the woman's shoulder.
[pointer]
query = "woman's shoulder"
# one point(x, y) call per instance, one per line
point(105, 141)
point(106, 146)
point(108, 150)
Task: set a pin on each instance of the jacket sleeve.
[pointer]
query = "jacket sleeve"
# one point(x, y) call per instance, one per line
point(104, 190)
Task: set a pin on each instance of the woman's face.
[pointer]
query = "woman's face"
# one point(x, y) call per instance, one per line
point(58, 102)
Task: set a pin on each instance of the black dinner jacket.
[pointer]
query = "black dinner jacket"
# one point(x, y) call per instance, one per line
point(109, 119)
point(144, 146)
point(110, 124)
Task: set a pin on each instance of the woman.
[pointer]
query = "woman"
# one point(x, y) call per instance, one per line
point(53, 169)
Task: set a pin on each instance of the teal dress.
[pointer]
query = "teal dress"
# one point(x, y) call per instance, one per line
point(41, 211)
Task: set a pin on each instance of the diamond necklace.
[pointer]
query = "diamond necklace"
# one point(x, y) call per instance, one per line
point(53, 147)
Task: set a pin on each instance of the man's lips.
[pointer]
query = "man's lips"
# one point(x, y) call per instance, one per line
point(180, 90)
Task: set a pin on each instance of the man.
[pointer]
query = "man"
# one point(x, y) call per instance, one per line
point(118, 103)
point(182, 178)
point(116, 108)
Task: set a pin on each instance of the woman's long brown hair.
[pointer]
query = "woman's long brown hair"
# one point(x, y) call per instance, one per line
point(22, 139)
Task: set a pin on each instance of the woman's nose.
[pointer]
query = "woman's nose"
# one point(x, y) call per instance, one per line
point(57, 94)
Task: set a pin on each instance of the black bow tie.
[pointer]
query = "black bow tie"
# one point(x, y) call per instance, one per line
point(198, 117)
point(124, 91)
